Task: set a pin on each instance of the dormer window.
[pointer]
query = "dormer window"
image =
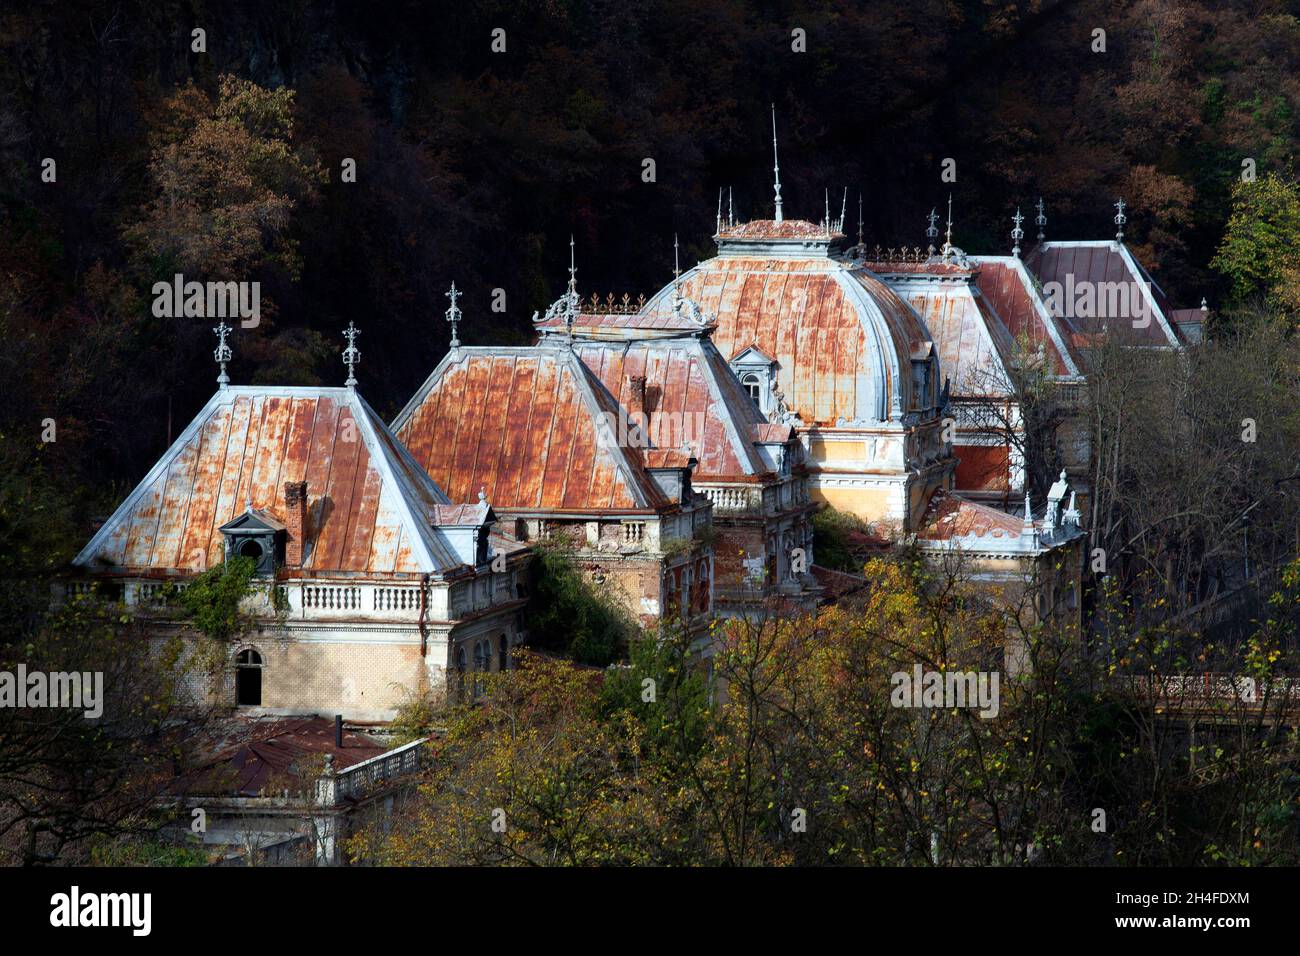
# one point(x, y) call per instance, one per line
point(256, 534)
point(756, 371)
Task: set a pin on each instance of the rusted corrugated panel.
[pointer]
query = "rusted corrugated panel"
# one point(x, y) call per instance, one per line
point(240, 450)
point(522, 425)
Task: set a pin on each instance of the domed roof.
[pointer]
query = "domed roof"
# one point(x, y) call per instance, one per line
point(842, 339)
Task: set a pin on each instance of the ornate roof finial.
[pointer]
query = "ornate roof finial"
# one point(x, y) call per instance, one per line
point(932, 230)
point(571, 304)
point(222, 353)
point(776, 168)
point(677, 279)
point(826, 218)
point(351, 354)
point(859, 219)
point(731, 206)
point(573, 267)
point(1041, 219)
point(1120, 219)
point(719, 229)
point(1017, 233)
point(1205, 306)
point(844, 209)
point(947, 239)
point(453, 313)
point(1028, 526)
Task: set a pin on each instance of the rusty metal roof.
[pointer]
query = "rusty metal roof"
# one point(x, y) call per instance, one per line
point(842, 339)
point(786, 229)
point(269, 755)
point(975, 349)
point(1108, 261)
point(526, 425)
point(951, 516)
point(1007, 286)
point(691, 397)
point(369, 502)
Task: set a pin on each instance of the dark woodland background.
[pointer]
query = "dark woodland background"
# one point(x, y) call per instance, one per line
point(477, 167)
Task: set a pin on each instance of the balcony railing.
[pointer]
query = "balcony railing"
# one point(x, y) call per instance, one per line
point(364, 778)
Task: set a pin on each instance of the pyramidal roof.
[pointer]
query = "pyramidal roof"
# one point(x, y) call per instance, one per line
point(369, 504)
point(529, 425)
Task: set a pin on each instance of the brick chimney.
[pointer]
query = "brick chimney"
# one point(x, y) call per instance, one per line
point(636, 388)
point(295, 510)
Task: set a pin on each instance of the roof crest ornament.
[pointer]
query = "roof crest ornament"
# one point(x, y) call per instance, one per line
point(1120, 219)
point(947, 238)
point(932, 230)
point(1017, 233)
point(1041, 220)
point(222, 353)
point(453, 313)
point(351, 354)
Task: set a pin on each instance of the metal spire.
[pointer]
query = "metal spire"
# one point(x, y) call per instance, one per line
point(573, 268)
point(731, 207)
point(222, 353)
point(1120, 219)
point(844, 208)
point(351, 354)
point(826, 218)
point(947, 239)
point(776, 168)
point(859, 219)
point(571, 296)
point(1041, 219)
point(453, 313)
point(677, 277)
point(932, 230)
point(719, 229)
point(1017, 233)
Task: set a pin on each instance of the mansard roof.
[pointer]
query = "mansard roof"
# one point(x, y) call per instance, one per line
point(369, 502)
point(529, 426)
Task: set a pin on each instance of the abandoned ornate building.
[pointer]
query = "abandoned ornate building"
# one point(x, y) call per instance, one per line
point(371, 584)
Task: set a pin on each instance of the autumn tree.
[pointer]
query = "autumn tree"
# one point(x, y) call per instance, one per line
point(1260, 251)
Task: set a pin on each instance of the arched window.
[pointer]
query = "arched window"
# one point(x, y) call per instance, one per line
point(251, 549)
point(503, 652)
point(460, 671)
point(482, 662)
point(754, 386)
point(248, 678)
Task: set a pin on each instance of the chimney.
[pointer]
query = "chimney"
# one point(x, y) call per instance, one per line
point(295, 509)
point(338, 731)
point(636, 388)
